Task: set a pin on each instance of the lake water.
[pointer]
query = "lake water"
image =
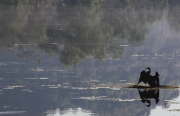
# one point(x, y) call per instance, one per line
point(70, 57)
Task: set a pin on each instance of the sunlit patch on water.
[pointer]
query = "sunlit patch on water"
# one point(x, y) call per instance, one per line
point(9, 63)
point(14, 86)
point(8, 87)
point(139, 55)
point(11, 112)
point(145, 58)
point(80, 88)
point(43, 78)
point(6, 106)
point(122, 80)
point(21, 44)
point(92, 81)
point(65, 76)
point(31, 78)
point(69, 112)
point(53, 86)
point(89, 86)
point(104, 98)
point(169, 108)
point(27, 90)
point(155, 56)
point(66, 83)
point(172, 101)
point(107, 86)
point(124, 45)
point(38, 69)
point(117, 59)
point(61, 70)
point(168, 58)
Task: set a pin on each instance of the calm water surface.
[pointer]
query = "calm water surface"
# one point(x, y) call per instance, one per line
point(70, 57)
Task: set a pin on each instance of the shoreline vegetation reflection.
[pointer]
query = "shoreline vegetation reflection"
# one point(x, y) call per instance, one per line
point(82, 50)
point(78, 29)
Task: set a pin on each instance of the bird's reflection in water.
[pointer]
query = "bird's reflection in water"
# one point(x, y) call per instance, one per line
point(147, 95)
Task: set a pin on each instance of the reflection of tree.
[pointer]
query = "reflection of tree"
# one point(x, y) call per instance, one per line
point(98, 26)
point(22, 22)
point(50, 49)
point(82, 28)
point(71, 55)
point(173, 14)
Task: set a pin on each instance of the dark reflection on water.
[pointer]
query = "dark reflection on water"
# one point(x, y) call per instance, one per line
point(71, 57)
point(146, 95)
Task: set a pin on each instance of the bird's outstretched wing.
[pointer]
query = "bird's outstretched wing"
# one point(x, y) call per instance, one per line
point(143, 77)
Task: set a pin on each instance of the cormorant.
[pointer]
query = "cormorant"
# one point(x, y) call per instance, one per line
point(144, 76)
